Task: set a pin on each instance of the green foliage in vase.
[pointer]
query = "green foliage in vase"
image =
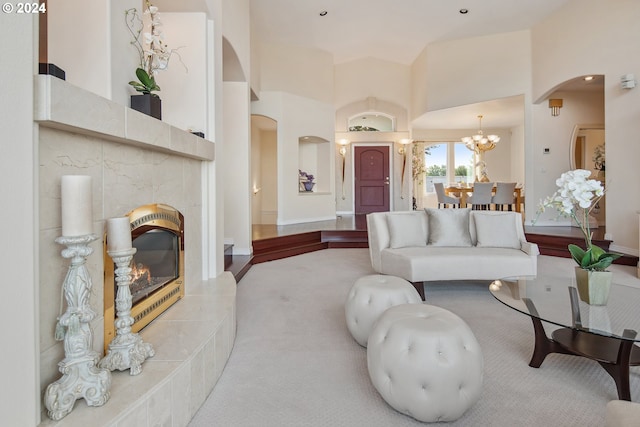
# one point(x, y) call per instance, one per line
point(146, 84)
point(594, 258)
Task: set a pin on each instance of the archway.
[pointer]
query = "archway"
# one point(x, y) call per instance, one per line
point(264, 167)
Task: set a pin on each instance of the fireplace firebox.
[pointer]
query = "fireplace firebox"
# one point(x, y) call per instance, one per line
point(157, 275)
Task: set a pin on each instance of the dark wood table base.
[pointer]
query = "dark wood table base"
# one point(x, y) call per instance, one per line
point(613, 354)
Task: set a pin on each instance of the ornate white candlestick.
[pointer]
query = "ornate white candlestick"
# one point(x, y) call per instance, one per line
point(127, 350)
point(81, 377)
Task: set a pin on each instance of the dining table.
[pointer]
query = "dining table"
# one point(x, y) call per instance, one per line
point(464, 190)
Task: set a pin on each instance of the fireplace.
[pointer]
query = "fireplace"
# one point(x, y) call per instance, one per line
point(157, 276)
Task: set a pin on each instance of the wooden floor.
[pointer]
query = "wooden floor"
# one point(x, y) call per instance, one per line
point(345, 223)
point(271, 242)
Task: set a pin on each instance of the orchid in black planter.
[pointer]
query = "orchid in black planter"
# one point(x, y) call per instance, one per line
point(154, 56)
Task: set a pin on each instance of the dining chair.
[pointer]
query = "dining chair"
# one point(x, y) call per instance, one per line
point(443, 199)
point(481, 197)
point(504, 195)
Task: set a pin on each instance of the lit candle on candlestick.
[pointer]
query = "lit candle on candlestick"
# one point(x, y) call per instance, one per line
point(77, 205)
point(118, 234)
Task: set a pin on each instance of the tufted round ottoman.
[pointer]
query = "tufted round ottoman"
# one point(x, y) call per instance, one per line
point(370, 296)
point(425, 362)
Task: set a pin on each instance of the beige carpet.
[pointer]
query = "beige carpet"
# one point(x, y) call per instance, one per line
point(295, 364)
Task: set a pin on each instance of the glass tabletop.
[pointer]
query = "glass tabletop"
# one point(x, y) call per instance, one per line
point(550, 299)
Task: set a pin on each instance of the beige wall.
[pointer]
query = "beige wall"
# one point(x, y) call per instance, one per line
point(467, 71)
point(269, 177)
point(297, 117)
point(304, 72)
point(81, 46)
point(235, 28)
point(184, 103)
point(594, 37)
point(236, 155)
point(370, 77)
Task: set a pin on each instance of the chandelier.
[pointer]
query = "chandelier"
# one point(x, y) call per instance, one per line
point(479, 142)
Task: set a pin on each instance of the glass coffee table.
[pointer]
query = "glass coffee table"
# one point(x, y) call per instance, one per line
point(605, 334)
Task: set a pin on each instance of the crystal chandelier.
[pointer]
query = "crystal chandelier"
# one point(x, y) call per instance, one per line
point(479, 142)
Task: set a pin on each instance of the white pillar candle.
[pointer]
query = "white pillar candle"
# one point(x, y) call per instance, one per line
point(118, 234)
point(77, 205)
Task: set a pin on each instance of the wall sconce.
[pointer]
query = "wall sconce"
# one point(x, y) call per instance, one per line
point(555, 105)
point(403, 151)
point(343, 153)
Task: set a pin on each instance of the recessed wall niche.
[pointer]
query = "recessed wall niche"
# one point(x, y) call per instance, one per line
point(314, 159)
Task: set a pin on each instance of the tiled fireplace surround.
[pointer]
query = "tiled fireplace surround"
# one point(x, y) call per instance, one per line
point(133, 160)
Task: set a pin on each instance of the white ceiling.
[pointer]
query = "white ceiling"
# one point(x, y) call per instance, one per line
point(398, 30)
point(394, 30)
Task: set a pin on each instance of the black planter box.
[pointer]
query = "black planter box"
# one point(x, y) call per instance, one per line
point(148, 104)
point(52, 70)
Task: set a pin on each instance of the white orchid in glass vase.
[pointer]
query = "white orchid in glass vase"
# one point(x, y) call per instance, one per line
point(153, 51)
point(576, 197)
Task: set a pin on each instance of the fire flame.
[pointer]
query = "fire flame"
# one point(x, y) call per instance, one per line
point(140, 272)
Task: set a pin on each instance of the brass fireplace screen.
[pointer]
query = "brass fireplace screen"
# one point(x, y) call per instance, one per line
point(157, 232)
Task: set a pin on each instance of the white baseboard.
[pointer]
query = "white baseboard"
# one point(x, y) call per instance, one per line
point(622, 249)
point(549, 223)
point(242, 251)
point(305, 220)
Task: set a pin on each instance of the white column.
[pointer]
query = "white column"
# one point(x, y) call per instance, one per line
point(20, 398)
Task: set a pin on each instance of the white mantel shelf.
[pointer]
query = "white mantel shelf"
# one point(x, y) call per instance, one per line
point(61, 105)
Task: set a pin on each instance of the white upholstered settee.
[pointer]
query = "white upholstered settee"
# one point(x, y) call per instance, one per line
point(450, 244)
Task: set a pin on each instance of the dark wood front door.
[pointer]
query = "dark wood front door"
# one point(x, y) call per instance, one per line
point(371, 179)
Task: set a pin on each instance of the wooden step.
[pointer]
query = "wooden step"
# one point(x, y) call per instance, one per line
point(240, 264)
point(346, 238)
point(285, 246)
point(555, 245)
point(228, 256)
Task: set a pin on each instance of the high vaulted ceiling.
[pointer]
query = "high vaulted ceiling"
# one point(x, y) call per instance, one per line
point(398, 30)
point(394, 30)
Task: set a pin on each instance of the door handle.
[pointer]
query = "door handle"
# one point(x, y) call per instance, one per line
point(386, 180)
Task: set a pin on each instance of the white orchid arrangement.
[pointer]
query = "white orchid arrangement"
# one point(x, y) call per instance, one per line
point(152, 49)
point(576, 197)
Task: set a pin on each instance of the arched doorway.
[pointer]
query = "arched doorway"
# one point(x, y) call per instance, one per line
point(264, 168)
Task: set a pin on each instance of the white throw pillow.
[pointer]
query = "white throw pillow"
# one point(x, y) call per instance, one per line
point(496, 230)
point(449, 227)
point(405, 230)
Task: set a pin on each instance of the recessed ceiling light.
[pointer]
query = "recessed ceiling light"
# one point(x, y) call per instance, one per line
point(588, 78)
point(464, 11)
point(323, 13)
